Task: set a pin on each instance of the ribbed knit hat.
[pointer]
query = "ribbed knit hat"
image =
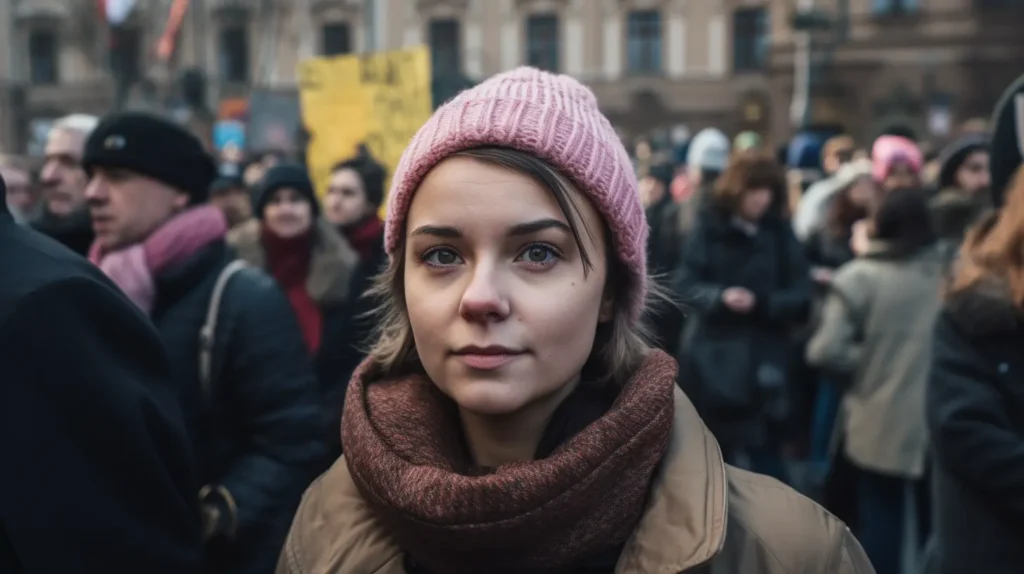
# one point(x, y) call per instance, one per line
point(888, 150)
point(554, 118)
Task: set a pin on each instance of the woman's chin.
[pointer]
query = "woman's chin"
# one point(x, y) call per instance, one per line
point(488, 398)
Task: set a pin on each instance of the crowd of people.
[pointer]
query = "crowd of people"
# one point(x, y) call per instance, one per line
point(552, 355)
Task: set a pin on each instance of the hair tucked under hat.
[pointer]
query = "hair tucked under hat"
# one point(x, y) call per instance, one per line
point(553, 117)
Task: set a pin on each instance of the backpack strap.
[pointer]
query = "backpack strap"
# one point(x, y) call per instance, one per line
point(208, 333)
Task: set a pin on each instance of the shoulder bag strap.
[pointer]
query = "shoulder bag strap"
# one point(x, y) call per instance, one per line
point(208, 333)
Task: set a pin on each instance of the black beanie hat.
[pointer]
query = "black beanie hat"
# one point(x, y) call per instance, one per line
point(152, 146)
point(954, 154)
point(1007, 139)
point(283, 175)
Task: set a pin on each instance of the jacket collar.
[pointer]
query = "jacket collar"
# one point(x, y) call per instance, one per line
point(331, 266)
point(176, 282)
point(684, 525)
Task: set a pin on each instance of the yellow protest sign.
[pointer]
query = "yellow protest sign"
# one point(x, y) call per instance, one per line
point(378, 99)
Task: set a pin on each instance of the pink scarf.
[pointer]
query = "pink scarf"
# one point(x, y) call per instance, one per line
point(134, 267)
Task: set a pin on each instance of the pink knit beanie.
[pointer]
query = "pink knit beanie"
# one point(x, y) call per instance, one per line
point(554, 118)
point(888, 150)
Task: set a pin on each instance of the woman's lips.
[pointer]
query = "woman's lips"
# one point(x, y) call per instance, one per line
point(487, 362)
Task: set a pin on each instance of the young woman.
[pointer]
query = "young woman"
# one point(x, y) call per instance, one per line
point(877, 327)
point(314, 267)
point(897, 163)
point(747, 279)
point(975, 407)
point(510, 417)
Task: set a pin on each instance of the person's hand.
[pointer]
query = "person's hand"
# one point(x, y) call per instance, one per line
point(861, 237)
point(739, 300)
point(822, 275)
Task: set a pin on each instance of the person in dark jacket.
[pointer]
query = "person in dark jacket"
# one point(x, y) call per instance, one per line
point(314, 266)
point(64, 216)
point(747, 279)
point(98, 470)
point(248, 389)
point(975, 406)
point(964, 196)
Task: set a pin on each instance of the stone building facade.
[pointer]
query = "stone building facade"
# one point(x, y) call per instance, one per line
point(652, 63)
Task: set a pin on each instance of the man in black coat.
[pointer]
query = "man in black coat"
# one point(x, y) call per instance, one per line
point(97, 470)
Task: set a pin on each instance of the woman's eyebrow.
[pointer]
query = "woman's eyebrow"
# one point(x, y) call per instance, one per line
point(531, 227)
point(437, 231)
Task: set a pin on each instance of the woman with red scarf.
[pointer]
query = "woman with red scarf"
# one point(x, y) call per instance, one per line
point(314, 265)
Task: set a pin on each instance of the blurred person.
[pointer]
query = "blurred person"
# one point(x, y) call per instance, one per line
point(747, 141)
point(252, 173)
point(964, 196)
point(975, 408)
point(746, 277)
point(811, 210)
point(314, 267)
point(355, 193)
point(827, 250)
point(706, 158)
point(877, 328)
point(249, 393)
point(1007, 139)
point(663, 253)
point(897, 163)
point(98, 468)
point(23, 201)
point(510, 381)
point(232, 197)
point(64, 215)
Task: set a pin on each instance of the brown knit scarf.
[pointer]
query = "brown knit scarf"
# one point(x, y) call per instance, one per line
point(404, 449)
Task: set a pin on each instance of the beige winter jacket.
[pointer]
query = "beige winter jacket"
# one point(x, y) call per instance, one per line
point(700, 512)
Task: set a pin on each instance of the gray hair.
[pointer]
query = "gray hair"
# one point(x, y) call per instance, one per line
point(81, 124)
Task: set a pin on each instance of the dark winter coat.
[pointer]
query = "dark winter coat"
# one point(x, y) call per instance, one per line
point(737, 367)
point(98, 472)
point(975, 413)
point(259, 434)
point(332, 270)
point(74, 232)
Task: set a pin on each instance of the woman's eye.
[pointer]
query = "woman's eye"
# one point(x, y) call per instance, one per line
point(539, 254)
point(441, 257)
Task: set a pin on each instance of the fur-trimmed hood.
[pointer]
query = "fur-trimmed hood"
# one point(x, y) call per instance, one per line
point(331, 268)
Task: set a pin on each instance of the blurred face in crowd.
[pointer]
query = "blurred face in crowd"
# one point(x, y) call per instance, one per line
point(346, 201)
point(288, 213)
point(235, 203)
point(126, 207)
point(651, 191)
point(755, 203)
point(63, 177)
point(837, 158)
point(973, 175)
point(862, 192)
point(253, 174)
point(902, 175)
point(20, 197)
point(502, 311)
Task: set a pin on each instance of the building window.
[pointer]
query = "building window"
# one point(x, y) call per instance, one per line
point(124, 55)
point(750, 39)
point(542, 42)
point(445, 52)
point(643, 41)
point(43, 57)
point(336, 39)
point(884, 7)
point(234, 54)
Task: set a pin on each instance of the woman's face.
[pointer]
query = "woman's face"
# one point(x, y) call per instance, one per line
point(755, 203)
point(288, 214)
point(901, 176)
point(502, 314)
point(973, 175)
point(862, 192)
point(345, 202)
